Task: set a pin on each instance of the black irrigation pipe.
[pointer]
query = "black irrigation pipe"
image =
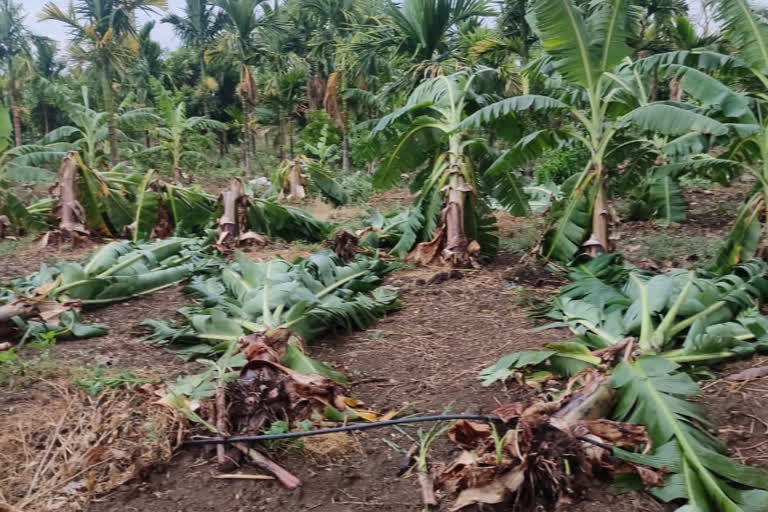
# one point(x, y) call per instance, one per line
point(346, 428)
point(363, 426)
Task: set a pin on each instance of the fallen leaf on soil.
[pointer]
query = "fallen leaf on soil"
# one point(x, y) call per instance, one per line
point(469, 434)
point(618, 433)
point(495, 492)
point(749, 374)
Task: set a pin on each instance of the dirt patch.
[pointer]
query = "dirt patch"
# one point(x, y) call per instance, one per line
point(277, 249)
point(123, 346)
point(694, 242)
point(422, 359)
point(20, 262)
point(738, 411)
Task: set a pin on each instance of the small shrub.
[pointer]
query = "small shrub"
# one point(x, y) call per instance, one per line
point(358, 187)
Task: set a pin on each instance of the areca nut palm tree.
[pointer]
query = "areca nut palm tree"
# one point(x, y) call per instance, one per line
point(244, 22)
point(198, 27)
point(14, 43)
point(100, 31)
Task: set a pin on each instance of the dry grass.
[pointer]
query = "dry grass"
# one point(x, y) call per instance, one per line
point(332, 445)
point(59, 456)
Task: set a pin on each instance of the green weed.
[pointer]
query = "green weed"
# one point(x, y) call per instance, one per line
point(10, 248)
point(19, 372)
point(96, 381)
point(282, 427)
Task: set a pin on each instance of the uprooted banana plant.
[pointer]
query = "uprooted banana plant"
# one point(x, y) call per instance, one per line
point(646, 331)
point(50, 299)
point(256, 316)
point(310, 297)
point(537, 453)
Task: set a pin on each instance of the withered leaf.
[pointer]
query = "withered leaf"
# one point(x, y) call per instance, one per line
point(495, 492)
point(469, 434)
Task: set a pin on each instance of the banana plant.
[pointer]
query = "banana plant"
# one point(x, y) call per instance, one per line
point(452, 202)
point(663, 325)
point(51, 298)
point(87, 134)
point(742, 112)
point(583, 47)
point(176, 126)
point(311, 297)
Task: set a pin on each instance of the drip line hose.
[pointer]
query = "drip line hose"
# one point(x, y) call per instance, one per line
point(363, 426)
point(346, 428)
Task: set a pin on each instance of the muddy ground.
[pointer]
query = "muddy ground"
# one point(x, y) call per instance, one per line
point(422, 359)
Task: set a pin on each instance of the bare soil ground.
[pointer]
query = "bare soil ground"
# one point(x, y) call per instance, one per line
point(422, 359)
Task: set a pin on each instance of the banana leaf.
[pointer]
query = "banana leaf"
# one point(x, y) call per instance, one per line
point(651, 392)
point(311, 297)
point(286, 222)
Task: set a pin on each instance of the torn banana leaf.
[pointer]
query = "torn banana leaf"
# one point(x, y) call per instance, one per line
point(275, 220)
point(653, 393)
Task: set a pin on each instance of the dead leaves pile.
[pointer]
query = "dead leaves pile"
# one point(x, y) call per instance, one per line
point(541, 455)
point(268, 391)
point(345, 245)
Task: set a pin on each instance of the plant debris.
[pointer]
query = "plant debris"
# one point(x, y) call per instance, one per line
point(81, 446)
point(539, 458)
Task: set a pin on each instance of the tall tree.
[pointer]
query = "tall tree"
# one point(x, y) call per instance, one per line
point(514, 25)
point(418, 35)
point(243, 44)
point(101, 32)
point(197, 28)
point(14, 43)
point(48, 68)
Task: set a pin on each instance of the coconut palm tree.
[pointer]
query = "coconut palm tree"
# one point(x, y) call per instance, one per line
point(101, 31)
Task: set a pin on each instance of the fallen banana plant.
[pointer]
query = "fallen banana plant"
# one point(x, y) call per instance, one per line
point(646, 331)
point(257, 316)
point(142, 207)
point(50, 299)
point(311, 297)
